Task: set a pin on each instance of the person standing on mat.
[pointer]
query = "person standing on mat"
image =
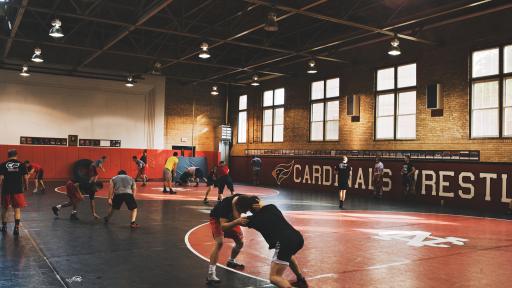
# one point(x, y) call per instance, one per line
point(93, 169)
point(144, 157)
point(256, 169)
point(122, 190)
point(225, 222)
point(141, 170)
point(169, 171)
point(343, 170)
point(38, 172)
point(378, 173)
point(279, 235)
point(210, 182)
point(75, 197)
point(14, 181)
point(223, 179)
point(407, 172)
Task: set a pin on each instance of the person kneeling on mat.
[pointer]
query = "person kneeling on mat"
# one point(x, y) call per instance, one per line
point(122, 190)
point(225, 222)
point(279, 234)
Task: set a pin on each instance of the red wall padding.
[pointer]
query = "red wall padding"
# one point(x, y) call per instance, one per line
point(57, 161)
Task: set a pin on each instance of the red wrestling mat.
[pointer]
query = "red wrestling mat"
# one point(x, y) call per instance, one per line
point(153, 191)
point(383, 249)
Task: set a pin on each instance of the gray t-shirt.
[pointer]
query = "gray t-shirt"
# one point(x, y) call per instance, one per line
point(123, 184)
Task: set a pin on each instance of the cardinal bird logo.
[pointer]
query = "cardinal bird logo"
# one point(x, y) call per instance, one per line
point(282, 171)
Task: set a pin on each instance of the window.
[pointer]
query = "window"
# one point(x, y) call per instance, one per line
point(395, 111)
point(325, 110)
point(273, 115)
point(242, 119)
point(491, 93)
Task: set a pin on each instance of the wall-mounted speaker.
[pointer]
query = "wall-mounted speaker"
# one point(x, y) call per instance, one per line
point(72, 140)
point(353, 105)
point(434, 96)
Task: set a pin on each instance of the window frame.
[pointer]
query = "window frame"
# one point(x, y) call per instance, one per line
point(395, 91)
point(501, 77)
point(273, 108)
point(324, 101)
point(246, 118)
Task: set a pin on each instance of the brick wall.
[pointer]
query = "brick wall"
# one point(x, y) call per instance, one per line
point(446, 63)
point(192, 113)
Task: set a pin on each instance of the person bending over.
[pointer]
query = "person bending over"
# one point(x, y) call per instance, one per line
point(122, 190)
point(211, 182)
point(279, 234)
point(75, 197)
point(225, 222)
point(141, 170)
point(93, 169)
point(169, 172)
point(38, 172)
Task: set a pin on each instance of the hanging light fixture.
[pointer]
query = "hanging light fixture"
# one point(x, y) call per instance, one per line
point(204, 51)
point(56, 30)
point(37, 57)
point(24, 71)
point(271, 23)
point(255, 81)
point(214, 91)
point(312, 68)
point(129, 81)
point(394, 50)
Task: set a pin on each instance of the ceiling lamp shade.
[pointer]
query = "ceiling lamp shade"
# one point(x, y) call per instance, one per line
point(394, 50)
point(214, 91)
point(255, 81)
point(24, 71)
point(271, 23)
point(129, 81)
point(311, 67)
point(56, 30)
point(37, 57)
point(204, 51)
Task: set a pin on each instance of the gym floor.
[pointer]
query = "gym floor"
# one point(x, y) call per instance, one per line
point(372, 243)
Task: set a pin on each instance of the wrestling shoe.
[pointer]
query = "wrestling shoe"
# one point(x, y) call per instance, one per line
point(300, 283)
point(341, 204)
point(172, 192)
point(73, 217)
point(134, 225)
point(235, 265)
point(212, 279)
point(16, 231)
point(55, 211)
point(4, 229)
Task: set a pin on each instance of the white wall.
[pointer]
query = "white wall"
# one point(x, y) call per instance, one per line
point(55, 106)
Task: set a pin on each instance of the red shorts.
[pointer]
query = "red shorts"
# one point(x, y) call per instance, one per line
point(234, 233)
point(75, 197)
point(16, 200)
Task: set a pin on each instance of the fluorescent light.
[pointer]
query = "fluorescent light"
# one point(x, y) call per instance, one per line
point(37, 57)
point(255, 81)
point(24, 71)
point(129, 81)
point(204, 53)
point(56, 30)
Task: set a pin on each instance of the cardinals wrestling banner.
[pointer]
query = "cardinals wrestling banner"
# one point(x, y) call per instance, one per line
point(476, 185)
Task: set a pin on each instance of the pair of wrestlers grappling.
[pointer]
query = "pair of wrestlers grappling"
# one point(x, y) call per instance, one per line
point(225, 222)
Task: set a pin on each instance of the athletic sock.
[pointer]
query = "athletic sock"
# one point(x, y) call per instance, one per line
point(17, 222)
point(211, 269)
point(73, 212)
point(59, 206)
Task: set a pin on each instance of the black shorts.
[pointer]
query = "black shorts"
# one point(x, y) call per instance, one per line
point(286, 247)
point(210, 181)
point(40, 174)
point(224, 181)
point(127, 198)
point(199, 173)
point(343, 185)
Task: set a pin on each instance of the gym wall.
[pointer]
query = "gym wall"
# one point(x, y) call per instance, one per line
point(57, 106)
point(446, 63)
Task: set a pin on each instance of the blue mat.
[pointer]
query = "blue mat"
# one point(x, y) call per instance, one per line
point(186, 162)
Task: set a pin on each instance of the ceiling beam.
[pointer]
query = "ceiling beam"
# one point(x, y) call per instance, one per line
point(340, 21)
point(17, 22)
point(231, 39)
point(150, 13)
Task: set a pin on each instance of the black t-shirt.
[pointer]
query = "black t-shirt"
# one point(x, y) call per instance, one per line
point(224, 209)
point(144, 159)
point(272, 225)
point(407, 168)
point(13, 172)
point(343, 170)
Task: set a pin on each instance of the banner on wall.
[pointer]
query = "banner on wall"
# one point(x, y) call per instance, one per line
point(477, 185)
